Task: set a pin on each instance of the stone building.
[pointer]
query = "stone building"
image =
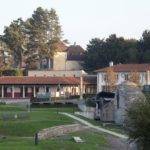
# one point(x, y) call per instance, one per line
point(126, 94)
point(66, 58)
point(113, 106)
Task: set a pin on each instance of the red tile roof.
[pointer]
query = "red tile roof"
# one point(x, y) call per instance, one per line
point(75, 52)
point(39, 80)
point(127, 68)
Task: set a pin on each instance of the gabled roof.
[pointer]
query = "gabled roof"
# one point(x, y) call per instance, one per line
point(75, 52)
point(127, 68)
point(61, 47)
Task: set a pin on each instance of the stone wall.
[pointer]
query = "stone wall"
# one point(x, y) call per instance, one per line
point(128, 93)
point(59, 130)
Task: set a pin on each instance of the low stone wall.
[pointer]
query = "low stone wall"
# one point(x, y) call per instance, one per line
point(59, 130)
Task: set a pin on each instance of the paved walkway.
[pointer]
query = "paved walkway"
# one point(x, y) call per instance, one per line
point(95, 127)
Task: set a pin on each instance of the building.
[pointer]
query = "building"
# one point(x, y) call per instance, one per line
point(123, 73)
point(112, 107)
point(28, 87)
point(56, 73)
point(66, 58)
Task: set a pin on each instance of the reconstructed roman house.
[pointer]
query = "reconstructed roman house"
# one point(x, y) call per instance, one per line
point(28, 87)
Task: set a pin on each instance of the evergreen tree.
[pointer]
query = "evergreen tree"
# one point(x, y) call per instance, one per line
point(14, 37)
point(44, 32)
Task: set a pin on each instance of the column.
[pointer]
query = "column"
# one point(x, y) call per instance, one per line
point(34, 91)
point(23, 92)
point(13, 93)
point(148, 77)
point(2, 91)
point(81, 88)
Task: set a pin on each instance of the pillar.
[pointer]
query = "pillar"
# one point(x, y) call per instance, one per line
point(2, 91)
point(13, 93)
point(148, 78)
point(23, 93)
point(81, 88)
point(34, 91)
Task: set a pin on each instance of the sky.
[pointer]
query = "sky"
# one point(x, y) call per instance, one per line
point(83, 20)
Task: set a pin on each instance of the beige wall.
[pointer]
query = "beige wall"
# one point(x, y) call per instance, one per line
point(60, 61)
point(73, 65)
point(61, 73)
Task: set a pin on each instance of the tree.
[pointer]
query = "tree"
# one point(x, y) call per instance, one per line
point(138, 123)
point(117, 49)
point(14, 37)
point(110, 79)
point(134, 76)
point(144, 47)
point(44, 32)
point(95, 55)
point(5, 55)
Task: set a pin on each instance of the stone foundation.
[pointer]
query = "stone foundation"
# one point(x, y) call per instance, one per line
point(60, 130)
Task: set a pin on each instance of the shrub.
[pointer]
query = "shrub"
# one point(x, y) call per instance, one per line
point(138, 123)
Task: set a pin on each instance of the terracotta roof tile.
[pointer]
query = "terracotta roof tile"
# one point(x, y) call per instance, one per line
point(39, 80)
point(75, 52)
point(127, 68)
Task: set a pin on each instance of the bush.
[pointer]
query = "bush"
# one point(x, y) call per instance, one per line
point(138, 123)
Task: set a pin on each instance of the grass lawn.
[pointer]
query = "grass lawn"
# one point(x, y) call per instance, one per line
point(39, 118)
point(111, 126)
point(93, 141)
point(19, 133)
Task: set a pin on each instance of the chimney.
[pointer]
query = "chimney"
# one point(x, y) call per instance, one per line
point(111, 64)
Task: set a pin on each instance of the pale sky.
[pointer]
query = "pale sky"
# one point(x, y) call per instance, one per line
point(83, 20)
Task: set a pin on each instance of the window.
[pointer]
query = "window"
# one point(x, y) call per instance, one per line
point(126, 77)
point(105, 77)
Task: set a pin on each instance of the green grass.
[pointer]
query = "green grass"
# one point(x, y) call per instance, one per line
point(39, 118)
point(110, 126)
point(19, 133)
point(93, 141)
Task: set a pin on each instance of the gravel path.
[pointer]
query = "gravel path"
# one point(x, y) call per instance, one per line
point(96, 127)
point(117, 141)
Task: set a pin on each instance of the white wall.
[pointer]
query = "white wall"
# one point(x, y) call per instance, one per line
point(121, 78)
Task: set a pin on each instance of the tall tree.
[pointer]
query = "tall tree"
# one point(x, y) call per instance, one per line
point(144, 47)
point(117, 49)
point(44, 32)
point(134, 76)
point(14, 37)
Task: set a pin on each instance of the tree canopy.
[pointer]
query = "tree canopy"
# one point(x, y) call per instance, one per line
point(117, 49)
point(34, 38)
